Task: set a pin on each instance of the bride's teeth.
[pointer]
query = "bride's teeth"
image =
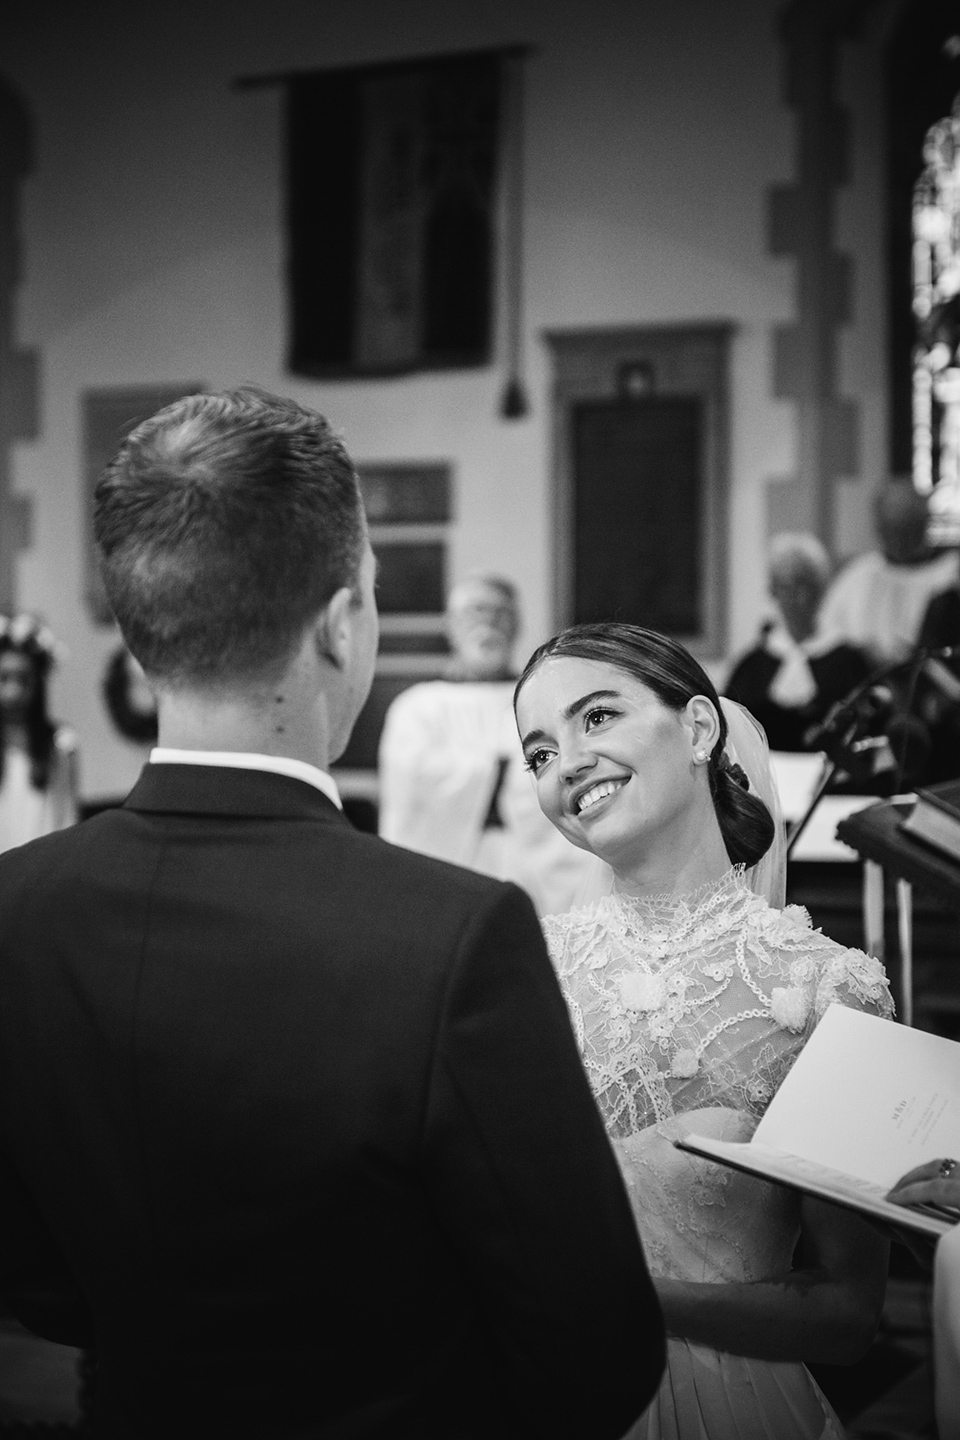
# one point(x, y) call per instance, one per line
point(597, 792)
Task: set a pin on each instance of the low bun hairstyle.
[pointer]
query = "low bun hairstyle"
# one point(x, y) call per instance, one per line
point(745, 822)
point(675, 677)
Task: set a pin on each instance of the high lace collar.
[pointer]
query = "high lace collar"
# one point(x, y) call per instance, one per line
point(691, 907)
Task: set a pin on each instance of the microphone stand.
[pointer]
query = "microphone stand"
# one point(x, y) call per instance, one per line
point(830, 768)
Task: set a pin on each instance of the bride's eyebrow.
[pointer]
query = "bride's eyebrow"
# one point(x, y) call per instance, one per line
point(571, 711)
point(586, 700)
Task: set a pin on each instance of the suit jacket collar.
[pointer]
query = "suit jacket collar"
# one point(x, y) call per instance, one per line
point(222, 790)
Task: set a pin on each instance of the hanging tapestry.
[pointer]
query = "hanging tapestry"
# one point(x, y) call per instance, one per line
point(391, 209)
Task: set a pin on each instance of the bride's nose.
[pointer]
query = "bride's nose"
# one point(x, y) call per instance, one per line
point(575, 762)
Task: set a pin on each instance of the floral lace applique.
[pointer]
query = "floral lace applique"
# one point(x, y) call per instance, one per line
point(706, 999)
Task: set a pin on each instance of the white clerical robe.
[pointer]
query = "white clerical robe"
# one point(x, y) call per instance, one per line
point(449, 749)
point(880, 606)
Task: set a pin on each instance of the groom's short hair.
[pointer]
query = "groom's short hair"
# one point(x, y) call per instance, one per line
point(224, 525)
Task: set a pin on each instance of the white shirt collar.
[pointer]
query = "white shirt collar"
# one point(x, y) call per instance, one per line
point(243, 760)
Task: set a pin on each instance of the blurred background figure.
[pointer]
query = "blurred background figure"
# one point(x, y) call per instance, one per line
point(483, 618)
point(452, 777)
point(798, 669)
point(879, 600)
point(38, 758)
point(938, 692)
point(129, 700)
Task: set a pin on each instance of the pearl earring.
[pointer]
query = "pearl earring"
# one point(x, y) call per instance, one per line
point(700, 756)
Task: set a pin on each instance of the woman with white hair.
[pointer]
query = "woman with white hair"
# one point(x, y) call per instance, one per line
point(797, 670)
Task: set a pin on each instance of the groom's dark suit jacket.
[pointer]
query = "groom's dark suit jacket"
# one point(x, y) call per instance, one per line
point(294, 1132)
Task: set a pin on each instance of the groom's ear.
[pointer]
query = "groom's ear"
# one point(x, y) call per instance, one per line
point(331, 629)
point(703, 723)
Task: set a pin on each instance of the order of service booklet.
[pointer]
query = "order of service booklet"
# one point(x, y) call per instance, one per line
point(866, 1101)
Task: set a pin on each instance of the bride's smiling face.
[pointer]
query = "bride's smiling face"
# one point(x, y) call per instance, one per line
point(616, 770)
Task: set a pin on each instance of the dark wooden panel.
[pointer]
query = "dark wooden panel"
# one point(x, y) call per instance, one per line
point(411, 579)
point(405, 493)
point(638, 512)
point(637, 366)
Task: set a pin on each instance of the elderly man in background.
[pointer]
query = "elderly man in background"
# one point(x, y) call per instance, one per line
point(798, 669)
point(879, 600)
point(452, 778)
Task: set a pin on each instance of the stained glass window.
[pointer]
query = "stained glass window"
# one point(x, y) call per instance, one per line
point(936, 306)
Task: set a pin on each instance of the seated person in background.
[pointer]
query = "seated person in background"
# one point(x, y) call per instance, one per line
point(38, 758)
point(878, 601)
point(452, 778)
point(797, 670)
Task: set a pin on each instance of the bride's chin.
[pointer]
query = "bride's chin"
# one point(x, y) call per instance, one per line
point(617, 856)
point(625, 854)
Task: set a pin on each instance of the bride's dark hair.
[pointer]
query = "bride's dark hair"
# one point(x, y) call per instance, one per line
point(672, 674)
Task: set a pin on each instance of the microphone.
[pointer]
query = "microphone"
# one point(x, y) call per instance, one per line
point(864, 707)
point(901, 744)
point(868, 700)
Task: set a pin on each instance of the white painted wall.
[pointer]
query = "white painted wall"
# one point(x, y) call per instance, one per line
point(153, 248)
point(860, 230)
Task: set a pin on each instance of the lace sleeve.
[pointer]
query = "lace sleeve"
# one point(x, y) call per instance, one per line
point(854, 979)
point(818, 972)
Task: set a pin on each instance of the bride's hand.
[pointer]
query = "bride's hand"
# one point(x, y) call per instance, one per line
point(935, 1183)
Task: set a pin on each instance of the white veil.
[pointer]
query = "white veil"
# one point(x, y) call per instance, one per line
point(747, 747)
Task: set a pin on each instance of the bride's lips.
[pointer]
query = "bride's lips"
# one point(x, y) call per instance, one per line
point(594, 807)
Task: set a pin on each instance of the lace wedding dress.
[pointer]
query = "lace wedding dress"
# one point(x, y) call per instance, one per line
point(689, 1011)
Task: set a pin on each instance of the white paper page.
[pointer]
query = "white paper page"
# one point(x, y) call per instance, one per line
point(797, 776)
point(819, 839)
point(868, 1097)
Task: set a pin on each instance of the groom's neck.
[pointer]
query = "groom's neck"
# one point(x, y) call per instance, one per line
point(272, 719)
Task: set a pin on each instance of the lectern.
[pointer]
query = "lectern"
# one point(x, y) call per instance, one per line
point(876, 835)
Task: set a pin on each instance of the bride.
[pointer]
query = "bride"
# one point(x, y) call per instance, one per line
point(691, 997)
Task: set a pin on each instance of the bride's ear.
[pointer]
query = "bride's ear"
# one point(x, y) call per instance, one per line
point(703, 724)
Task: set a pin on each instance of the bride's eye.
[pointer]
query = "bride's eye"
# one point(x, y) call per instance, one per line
point(536, 760)
point(597, 715)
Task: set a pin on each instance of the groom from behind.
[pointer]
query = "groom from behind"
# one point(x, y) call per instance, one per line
point(293, 1130)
